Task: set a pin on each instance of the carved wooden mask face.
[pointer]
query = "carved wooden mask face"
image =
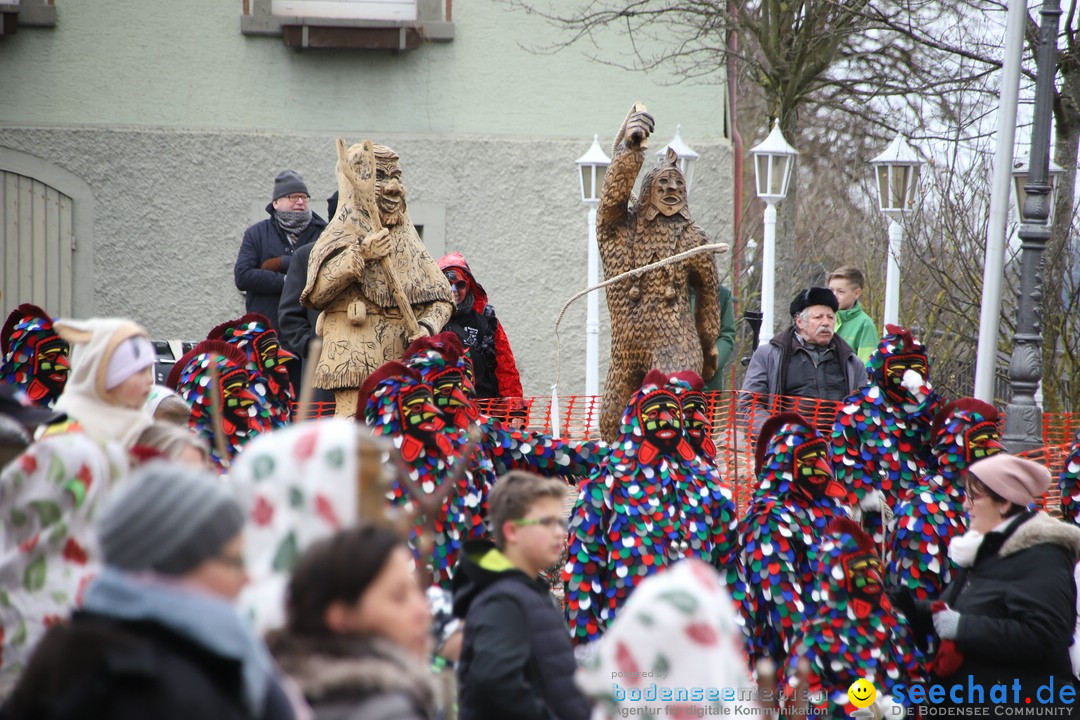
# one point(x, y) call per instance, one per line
point(813, 473)
point(863, 577)
point(420, 418)
point(981, 441)
point(236, 398)
point(661, 420)
point(694, 410)
point(669, 192)
point(895, 367)
point(51, 368)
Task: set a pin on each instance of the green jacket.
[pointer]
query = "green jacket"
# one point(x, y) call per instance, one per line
point(856, 327)
point(725, 343)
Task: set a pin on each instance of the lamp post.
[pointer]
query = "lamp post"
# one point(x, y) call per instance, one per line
point(773, 160)
point(1023, 417)
point(592, 166)
point(1021, 177)
point(897, 174)
point(687, 156)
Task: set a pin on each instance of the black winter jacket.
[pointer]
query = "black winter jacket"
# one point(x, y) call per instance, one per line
point(263, 241)
point(516, 659)
point(1017, 605)
point(113, 669)
point(297, 323)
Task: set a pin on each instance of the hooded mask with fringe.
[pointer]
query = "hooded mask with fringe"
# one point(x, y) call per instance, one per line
point(708, 516)
point(882, 432)
point(1069, 483)
point(624, 525)
point(927, 520)
point(244, 414)
point(855, 631)
point(33, 357)
point(398, 404)
point(254, 334)
point(794, 502)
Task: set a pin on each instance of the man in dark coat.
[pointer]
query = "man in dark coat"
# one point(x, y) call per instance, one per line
point(267, 249)
point(297, 323)
point(808, 359)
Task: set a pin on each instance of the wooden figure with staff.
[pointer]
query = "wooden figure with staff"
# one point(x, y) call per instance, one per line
point(370, 275)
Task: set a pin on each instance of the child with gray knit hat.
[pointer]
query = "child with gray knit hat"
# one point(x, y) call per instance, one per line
point(158, 635)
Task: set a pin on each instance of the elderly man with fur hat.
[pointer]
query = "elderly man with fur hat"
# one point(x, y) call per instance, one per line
point(808, 359)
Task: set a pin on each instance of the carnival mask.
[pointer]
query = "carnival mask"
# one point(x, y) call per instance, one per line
point(389, 192)
point(450, 398)
point(896, 365)
point(695, 416)
point(981, 440)
point(236, 398)
point(51, 368)
point(272, 359)
point(813, 473)
point(863, 580)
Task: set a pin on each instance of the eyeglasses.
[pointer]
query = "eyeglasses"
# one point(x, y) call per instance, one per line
point(551, 523)
point(297, 197)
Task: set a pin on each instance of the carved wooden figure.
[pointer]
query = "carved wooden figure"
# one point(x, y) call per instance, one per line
point(370, 275)
point(653, 323)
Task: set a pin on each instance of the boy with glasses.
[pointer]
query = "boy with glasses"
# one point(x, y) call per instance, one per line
point(516, 658)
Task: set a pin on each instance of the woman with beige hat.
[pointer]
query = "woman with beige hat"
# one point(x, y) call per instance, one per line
point(1009, 615)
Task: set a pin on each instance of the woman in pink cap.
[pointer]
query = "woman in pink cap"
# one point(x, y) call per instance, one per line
point(1009, 615)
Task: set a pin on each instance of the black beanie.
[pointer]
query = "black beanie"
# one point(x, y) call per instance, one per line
point(813, 296)
point(287, 183)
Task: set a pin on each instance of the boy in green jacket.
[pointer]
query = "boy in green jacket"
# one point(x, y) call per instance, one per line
point(852, 322)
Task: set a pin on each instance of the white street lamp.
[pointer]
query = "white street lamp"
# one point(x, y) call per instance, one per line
point(1020, 179)
point(685, 153)
point(897, 175)
point(592, 166)
point(773, 160)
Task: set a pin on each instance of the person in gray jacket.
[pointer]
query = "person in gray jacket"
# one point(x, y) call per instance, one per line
point(808, 359)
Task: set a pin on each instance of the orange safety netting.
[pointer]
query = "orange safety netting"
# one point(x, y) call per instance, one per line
point(736, 417)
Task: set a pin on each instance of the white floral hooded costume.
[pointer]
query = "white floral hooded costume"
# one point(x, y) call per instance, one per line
point(677, 631)
point(301, 486)
point(49, 496)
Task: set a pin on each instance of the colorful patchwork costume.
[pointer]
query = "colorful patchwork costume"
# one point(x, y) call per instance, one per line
point(243, 414)
point(398, 405)
point(624, 525)
point(1069, 483)
point(928, 519)
point(881, 436)
point(254, 334)
point(33, 357)
point(796, 498)
point(854, 633)
point(708, 516)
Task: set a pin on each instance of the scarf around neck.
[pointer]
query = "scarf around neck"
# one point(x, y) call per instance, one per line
point(293, 222)
point(211, 622)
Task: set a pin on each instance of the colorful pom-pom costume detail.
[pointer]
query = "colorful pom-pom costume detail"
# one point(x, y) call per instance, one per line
point(881, 435)
point(243, 413)
point(796, 499)
point(33, 357)
point(927, 520)
point(624, 525)
point(254, 334)
point(854, 633)
point(398, 405)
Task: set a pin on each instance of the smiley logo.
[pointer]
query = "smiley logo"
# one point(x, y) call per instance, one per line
point(862, 693)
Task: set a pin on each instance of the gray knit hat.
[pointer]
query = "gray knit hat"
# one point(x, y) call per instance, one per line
point(287, 183)
point(170, 518)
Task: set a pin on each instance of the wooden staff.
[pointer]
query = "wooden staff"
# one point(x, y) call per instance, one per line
point(365, 197)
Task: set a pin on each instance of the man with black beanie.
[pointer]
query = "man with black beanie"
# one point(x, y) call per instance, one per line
point(267, 248)
point(808, 359)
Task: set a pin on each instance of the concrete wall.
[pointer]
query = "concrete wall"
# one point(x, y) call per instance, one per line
point(177, 123)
